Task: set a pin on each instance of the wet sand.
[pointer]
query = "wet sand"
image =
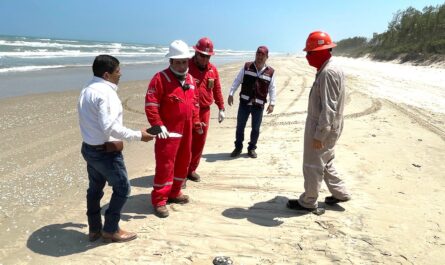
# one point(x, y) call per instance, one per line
point(390, 155)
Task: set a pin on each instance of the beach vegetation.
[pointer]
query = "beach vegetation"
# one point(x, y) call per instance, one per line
point(412, 35)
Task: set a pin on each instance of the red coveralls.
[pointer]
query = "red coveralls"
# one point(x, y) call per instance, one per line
point(168, 104)
point(208, 88)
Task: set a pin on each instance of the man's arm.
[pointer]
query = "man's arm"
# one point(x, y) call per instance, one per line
point(195, 114)
point(272, 95)
point(217, 93)
point(111, 125)
point(238, 80)
point(329, 92)
point(153, 101)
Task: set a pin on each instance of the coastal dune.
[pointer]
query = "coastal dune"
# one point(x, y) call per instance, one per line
point(390, 155)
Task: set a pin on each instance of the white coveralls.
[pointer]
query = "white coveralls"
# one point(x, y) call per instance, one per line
point(324, 122)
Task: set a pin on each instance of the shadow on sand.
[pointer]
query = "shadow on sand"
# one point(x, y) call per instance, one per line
point(143, 182)
point(66, 239)
point(59, 240)
point(270, 213)
point(221, 157)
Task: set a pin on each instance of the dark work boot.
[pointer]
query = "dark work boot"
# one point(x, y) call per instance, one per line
point(161, 211)
point(332, 200)
point(194, 177)
point(236, 152)
point(252, 153)
point(295, 205)
point(182, 199)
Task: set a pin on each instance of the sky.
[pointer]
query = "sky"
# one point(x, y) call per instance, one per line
point(282, 25)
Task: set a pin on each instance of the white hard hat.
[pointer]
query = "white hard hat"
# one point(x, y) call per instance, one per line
point(178, 50)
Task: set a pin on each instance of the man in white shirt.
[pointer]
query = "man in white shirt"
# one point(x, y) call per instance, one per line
point(100, 120)
point(257, 81)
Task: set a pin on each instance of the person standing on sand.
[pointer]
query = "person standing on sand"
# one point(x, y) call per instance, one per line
point(171, 104)
point(324, 124)
point(257, 80)
point(209, 90)
point(100, 120)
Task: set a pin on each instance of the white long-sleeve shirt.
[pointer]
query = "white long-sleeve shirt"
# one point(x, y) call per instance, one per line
point(239, 80)
point(100, 114)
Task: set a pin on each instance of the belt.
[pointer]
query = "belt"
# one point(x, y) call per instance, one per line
point(100, 147)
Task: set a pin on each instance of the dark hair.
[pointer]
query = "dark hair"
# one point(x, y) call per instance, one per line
point(104, 63)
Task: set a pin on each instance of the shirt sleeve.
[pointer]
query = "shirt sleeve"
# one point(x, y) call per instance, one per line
point(112, 126)
point(329, 93)
point(153, 99)
point(195, 113)
point(272, 91)
point(217, 93)
point(238, 80)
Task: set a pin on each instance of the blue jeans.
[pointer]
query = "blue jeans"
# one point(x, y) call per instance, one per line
point(105, 167)
point(244, 111)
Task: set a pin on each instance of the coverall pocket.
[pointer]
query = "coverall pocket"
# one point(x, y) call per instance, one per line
point(174, 104)
point(210, 83)
point(331, 140)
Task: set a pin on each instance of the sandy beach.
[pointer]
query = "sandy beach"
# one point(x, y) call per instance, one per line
point(390, 155)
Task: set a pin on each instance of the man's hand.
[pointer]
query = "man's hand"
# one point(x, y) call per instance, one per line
point(316, 144)
point(221, 116)
point(270, 109)
point(164, 133)
point(199, 127)
point(230, 100)
point(146, 136)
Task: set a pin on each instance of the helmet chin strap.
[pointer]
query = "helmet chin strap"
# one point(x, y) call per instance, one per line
point(180, 76)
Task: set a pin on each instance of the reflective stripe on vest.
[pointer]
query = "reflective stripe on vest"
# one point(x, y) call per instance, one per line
point(259, 101)
point(265, 77)
point(247, 72)
point(245, 97)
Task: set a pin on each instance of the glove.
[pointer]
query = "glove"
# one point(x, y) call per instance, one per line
point(164, 133)
point(199, 127)
point(221, 116)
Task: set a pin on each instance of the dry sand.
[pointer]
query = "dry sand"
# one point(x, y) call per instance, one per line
point(391, 156)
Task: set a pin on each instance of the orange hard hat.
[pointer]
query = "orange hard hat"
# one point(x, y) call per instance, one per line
point(204, 46)
point(318, 40)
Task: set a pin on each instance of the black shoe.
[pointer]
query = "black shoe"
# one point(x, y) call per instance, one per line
point(236, 152)
point(332, 200)
point(194, 177)
point(295, 205)
point(252, 153)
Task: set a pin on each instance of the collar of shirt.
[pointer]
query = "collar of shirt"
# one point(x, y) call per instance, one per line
point(324, 65)
point(101, 80)
point(261, 70)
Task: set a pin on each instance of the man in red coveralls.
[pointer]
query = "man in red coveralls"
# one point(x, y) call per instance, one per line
point(209, 89)
point(171, 103)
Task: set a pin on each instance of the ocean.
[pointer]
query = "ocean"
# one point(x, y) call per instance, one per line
point(35, 65)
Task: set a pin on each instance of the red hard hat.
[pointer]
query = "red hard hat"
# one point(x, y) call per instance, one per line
point(318, 40)
point(204, 46)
